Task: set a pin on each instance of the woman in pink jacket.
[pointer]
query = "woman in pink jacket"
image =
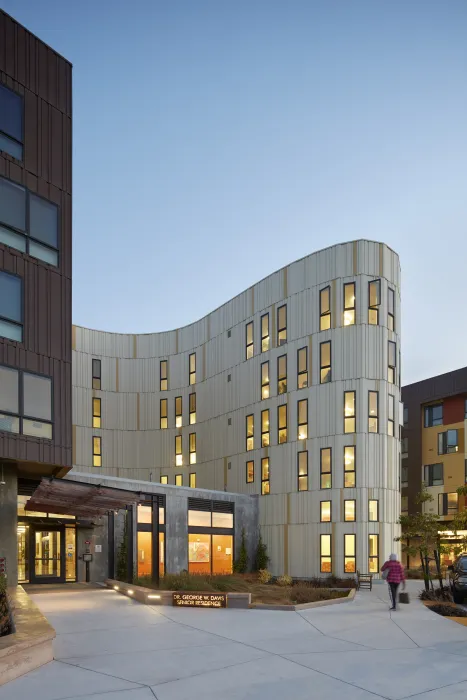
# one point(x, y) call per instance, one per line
point(394, 577)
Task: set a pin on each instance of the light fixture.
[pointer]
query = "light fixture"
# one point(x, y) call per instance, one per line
point(151, 597)
point(130, 592)
point(116, 588)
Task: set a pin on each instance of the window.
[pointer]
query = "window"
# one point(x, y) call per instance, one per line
point(448, 442)
point(302, 419)
point(302, 368)
point(282, 374)
point(433, 475)
point(192, 448)
point(349, 554)
point(405, 413)
point(325, 309)
point(373, 511)
point(349, 412)
point(349, 466)
point(405, 445)
point(372, 411)
point(250, 433)
point(178, 412)
point(11, 123)
point(192, 478)
point(96, 451)
point(11, 306)
point(391, 307)
point(373, 554)
point(192, 368)
point(250, 472)
point(325, 362)
point(265, 488)
point(349, 511)
point(250, 348)
point(325, 511)
point(192, 408)
point(178, 479)
point(433, 415)
point(391, 409)
point(33, 414)
point(164, 381)
point(349, 304)
point(374, 301)
point(96, 374)
point(302, 469)
point(96, 413)
point(282, 424)
point(164, 479)
point(391, 362)
point(163, 412)
point(265, 428)
point(178, 451)
point(325, 554)
point(281, 325)
point(265, 380)
point(325, 467)
point(404, 476)
point(264, 332)
point(448, 503)
point(404, 504)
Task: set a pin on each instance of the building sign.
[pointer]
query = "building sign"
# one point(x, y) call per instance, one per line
point(200, 600)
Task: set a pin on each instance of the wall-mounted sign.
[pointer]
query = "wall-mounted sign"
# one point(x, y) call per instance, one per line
point(98, 548)
point(87, 541)
point(200, 600)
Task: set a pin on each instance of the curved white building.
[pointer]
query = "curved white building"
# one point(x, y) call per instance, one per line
point(289, 391)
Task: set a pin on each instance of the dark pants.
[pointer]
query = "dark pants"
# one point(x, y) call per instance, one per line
point(393, 593)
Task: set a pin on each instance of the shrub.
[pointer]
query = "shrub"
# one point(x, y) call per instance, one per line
point(5, 626)
point(448, 610)
point(241, 565)
point(300, 594)
point(437, 594)
point(261, 557)
point(264, 576)
point(284, 580)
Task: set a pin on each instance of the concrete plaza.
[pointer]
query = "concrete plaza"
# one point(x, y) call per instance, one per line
point(109, 647)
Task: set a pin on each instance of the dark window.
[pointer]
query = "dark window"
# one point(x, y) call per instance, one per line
point(405, 415)
point(250, 349)
point(405, 445)
point(25, 403)
point(349, 304)
point(391, 362)
point(164, 382)
point(326, 467)
point(96, 374)
point(433, 475)
point(391, 410)
point(404, 476)
point(264, 332)
point(448, 442)
point(448, 503)
point(433, 415)
point(282, 374)
point(11, 123)
point(265, 486)
point(325, 362)
point(302, 367)
point(282, 424)
point(281, 325)
point(11, 307)
point(374, 301)
point(250, 472)
point(391, 309)
point(302, 469)
point(325, 309)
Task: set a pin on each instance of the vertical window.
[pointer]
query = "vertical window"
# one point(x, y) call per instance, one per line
point(96, 451)
point(192, 444)
point(250, 471)
point(281, 325)
point(302, 419)
point(302, 469)
point(164, 479)
point(349, 304)
point(265, 488)
point(349, 554)
point(405, 413)
point(250, 433)
point(302, 368)
point(325, 309)
point(11, 123)
point(265, 380)
point(178, 479)
point(448, 442)
point(178, 451)
point(265, 428)
point(178, 412)
point(391, 307)
point(373, 511)
point(325, 362)
point(349, 412)
point(326, 467)
point(192, 408)
point(249, 340)
point(282, 374)
point(163, 412)
point(373, 554)
point(192, 478)
point(433, 415)
point(11, 306)
point(404, 504)
point(349, 466)
point(282, 424)
point(349, 511)
point(434, 474)
point(96, 374)
point(264, 332)
point(96, 413)
point(391, 410)
point(404, 476)
point(192, 368)
point(391, 362)
point(325, 554)
point(448, 503)
point(372, 411)
point(374, 301)
point(325, 512)
point(164, 383)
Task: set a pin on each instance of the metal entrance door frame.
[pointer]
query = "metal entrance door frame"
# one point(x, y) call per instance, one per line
point(33, 577)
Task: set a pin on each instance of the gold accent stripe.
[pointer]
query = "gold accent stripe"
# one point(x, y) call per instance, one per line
point(73, 337)
point(73, 446)
point(355, 258)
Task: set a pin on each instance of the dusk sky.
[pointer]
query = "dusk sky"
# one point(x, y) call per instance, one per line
point(216, 141)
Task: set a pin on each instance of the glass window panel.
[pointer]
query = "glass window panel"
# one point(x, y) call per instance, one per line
point(9, 390)
point(250, 472)
point(43, 220)
point(199, 518)
point(265, 468)
point(375, 292)
point(37, 396)
point(325, 354)
point(14, 240)
point(11, 113)
point(144, 514)
point(11, 331)
point(324, 296)
point(325, 511)
point(326, 459)
point(373, 511)
point(11, 297)
point(302, 411)
point(222, 554)
point(392, 353)
point(192, 362)
point(349, 510)
point(144, 545)
point(282, 317)
point(42, 253)
point(37, 429)
point(265, 421)
point(164, 479)
point(349, 545)
point(199, 554)
point(12, 204)
point(13, 148)
point(224, 520)
point(9, 424)
point(349, 304)
point(302, 463)
point(178, 479)
point(349, 403)
point(302, 360)
point(249, 333)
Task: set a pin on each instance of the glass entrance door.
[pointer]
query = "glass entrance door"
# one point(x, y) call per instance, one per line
point(48, 554)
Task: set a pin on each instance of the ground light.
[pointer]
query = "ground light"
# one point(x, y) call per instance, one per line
point(153, 596)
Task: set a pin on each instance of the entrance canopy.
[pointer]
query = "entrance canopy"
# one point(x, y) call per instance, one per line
point(83, 500)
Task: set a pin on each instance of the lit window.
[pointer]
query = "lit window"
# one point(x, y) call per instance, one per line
point(178, 451)
point(163, 416)
point(164, 479)
point(349, 554)
point(264, 332)
point(11, 307)
point(192, 407)
point(349, 304)
point(373, 554)
point(325, 554)
point(349, 466)
point(373, 508)
point(265, 380)
point(325, 516)
point(404, 476)
point(302, 366)
point(404, 504)
point(96, 413)
point(282, 424)
point(325, 309)
point(433, 415)
point(391, 409)
point(192, 478)
point(249, 340)
point(178, 479)
point(96, 452)
point(33, 414)
point(96, 374)
point(302, 419)
point(164, 381)
point(250, 433)
point(265, 428)
point(192, 444)
point(433, 475)
point(281, 325)
point(391, 362)
point(325, 362)
point(265, 487)
point(282, 374)
point(448, 503)
point(349, 511)
point(192, 368)
point(349, 411)
point(374, 301)
point(144, 514)
point(178, 412)
point(250, 472)
point(372, 411)
point(11, 123)
point(391, 307)
point(302, 469)
point(448, 442)
point(326, 467)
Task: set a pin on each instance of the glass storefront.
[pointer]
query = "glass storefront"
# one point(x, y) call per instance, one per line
point(210, 537)
point(144, 538)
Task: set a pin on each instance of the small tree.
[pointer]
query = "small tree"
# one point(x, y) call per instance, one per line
point(261, 557)
point(122, 555)
point(241, 565)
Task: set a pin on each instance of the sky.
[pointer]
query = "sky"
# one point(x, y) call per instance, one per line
point(216, 141)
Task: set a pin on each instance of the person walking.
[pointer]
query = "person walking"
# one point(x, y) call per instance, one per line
point(394, 577)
